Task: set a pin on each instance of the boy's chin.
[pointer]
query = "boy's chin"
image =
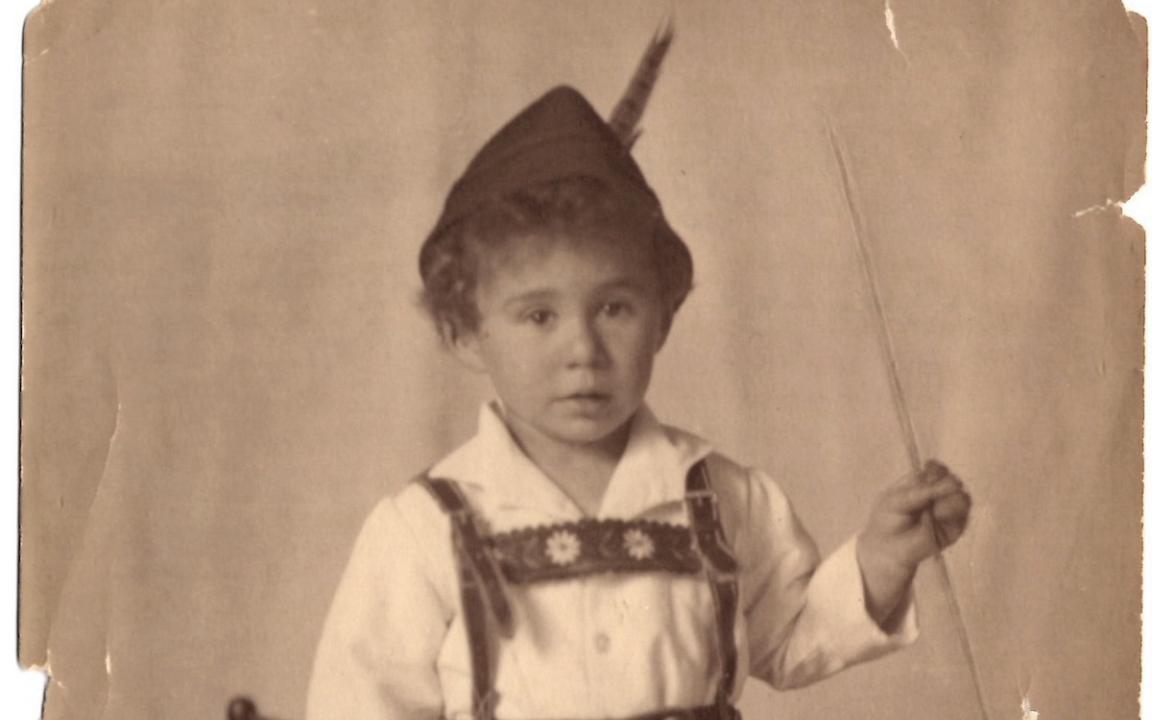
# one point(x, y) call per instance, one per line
point(591, 431)
point(606, 427)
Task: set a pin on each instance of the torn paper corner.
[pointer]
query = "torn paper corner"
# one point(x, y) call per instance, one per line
point(34, 13)
point(1138, 7)
point(1108, 204)
point(1138, 207)
point(42, 675)
point(43, 4)
point(35, 44)
point(45, 668)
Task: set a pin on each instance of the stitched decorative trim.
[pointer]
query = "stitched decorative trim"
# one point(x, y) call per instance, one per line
point(567, 550)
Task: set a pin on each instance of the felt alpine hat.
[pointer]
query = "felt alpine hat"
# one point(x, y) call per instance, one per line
point(558, 136)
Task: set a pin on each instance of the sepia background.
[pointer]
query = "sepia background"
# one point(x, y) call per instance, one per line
point(225, 367)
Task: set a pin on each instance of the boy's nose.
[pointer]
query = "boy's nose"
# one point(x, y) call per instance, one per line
point(585, 346)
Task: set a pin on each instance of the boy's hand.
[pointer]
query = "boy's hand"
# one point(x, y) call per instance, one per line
point(910, 521)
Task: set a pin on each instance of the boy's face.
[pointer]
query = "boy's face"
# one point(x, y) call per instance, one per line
point(568, 331)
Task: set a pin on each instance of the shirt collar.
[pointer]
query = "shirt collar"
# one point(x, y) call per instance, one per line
point(651, 472)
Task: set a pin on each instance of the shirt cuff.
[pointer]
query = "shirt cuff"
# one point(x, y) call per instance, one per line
point(836, 596)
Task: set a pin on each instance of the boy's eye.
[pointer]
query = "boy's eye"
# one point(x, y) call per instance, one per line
point(539, 317)
point(615, 308)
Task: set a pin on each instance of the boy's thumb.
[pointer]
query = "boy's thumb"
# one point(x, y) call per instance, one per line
point(910, 498)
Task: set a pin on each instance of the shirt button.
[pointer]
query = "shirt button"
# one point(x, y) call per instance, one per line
point(602, 642)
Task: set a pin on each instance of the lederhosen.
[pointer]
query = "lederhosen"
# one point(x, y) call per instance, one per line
point(588, 546)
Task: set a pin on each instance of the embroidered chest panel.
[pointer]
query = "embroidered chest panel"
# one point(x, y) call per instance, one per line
point(588, 546)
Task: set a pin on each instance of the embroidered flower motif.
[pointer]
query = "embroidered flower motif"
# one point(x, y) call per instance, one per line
point(638, 544)
point(563, 547)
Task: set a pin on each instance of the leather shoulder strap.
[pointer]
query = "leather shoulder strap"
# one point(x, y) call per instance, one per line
point(705, 518)
point(722, 570)
point(481, 591)
point(472, 550)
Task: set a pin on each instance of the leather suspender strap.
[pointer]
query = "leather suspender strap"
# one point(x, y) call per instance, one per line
point(471, 597)
point(705, 519)
point(480, 591)
point(725, 595)
point(721, 567)
point(473, 551)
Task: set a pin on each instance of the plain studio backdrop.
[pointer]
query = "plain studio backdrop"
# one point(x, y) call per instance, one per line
point(225, 367)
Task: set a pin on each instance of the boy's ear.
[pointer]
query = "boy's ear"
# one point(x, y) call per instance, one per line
point(464, 344)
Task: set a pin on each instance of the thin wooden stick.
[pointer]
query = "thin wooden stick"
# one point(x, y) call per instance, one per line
point(907, 429)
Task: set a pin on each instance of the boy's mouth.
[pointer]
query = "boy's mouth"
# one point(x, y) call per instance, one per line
point(587, 400)
point(587, 395)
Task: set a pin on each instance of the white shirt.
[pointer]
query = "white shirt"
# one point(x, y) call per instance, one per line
point(599, 646)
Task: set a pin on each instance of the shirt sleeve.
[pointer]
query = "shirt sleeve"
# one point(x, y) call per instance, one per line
point(377, 655)
point(807, 619)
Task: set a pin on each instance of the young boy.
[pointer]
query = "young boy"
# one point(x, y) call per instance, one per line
point(577, 559)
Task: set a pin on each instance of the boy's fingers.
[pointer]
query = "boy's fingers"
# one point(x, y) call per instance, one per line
point(952, 507)
point(910, 498)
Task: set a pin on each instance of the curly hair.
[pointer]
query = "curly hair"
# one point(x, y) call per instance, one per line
point(450, 261)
